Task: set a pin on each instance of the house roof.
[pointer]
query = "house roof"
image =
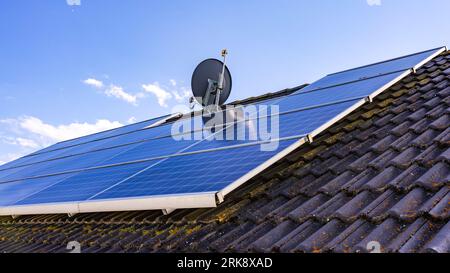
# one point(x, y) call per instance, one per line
point(381, 174)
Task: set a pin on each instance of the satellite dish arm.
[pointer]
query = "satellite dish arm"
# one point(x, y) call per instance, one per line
point(222, 77)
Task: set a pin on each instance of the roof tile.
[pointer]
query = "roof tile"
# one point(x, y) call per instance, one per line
point(321, 237)
point(413, 237)
point(427, 137)
point(298, 235)
point(379, 182)
point(438, 206)
point(304, 211)
point(441, 242)
point(377, 210)
point(444, 138)
point(407, 179)
point(266, 242)
point(351, 236)
point(382, 234)
point(350, 211)
point(404, 159)
point(436, 176)
point(407, 208)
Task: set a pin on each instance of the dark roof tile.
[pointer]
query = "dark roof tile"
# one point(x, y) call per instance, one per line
point(320, 238)
point(420, 126)
point(295, 188)
point(444, 138)
point(436, 176)
point(351, 210)
point(402, 143)
point(361, 163)
point(314, 187)
point(324, 212)
point(429, 156)
point(304, 211)
point(352, 235)
point(412, 238)
point(335, 185)
point(266, 242)
point(441, 242)
point(427, 137)
point(298, 235)
point(438, 205)
point(444, 156)
point(221, 243)
point(407, 179)
point(444, 92)
point(379, 182)
point(401, 128)
point(382, 161)
point(407, 208)
point(377, 210)
point(382, 234)
point(356, 184)
point(442, 123)
point(281, 213)
point(242, 243)
point(404, 159)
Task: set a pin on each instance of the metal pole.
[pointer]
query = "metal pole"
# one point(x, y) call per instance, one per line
point(222, 77)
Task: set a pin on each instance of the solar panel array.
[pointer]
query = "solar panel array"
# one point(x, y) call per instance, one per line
point(145, 162)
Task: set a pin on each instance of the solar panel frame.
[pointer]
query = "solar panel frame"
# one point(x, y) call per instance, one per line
point(196, 200)
point(399, 64)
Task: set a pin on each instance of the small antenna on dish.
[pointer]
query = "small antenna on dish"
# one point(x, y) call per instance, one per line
point(211, 82)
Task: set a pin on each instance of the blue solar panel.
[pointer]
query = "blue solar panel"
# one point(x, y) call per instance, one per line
point(84, 185)
point(293, 124)
point(9, 172)
point(134, 161)
point(101, 135)
point(66, 164)
point(342, 92)
point(12, 192)
point(203, 172)
point(398, 64)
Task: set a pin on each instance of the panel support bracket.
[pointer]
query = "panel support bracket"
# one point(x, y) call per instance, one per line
point(219, 198)
point(310, 138)
point(167, 211)
point(369, 99)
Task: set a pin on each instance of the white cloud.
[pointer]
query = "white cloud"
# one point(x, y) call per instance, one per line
point(118, 92)
point(66, 131)
point(27, 143)
point(73, 2)
point(181, 95)
point(374, 2)
point(131, 120)
point(20, 141)
point(24, 135)
point(162, 95)
point(93, 82)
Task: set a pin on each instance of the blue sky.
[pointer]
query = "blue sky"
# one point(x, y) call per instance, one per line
point(68, 70)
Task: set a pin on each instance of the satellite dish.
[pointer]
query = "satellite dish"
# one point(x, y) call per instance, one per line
point(211, 82)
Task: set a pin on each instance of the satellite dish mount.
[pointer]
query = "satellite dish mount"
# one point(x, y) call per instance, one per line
point(211, 83)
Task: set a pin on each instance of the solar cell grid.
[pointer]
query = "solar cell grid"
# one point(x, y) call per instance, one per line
point(82, 186)
point(202, 172)
point(374, 70)
point(132, 162)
